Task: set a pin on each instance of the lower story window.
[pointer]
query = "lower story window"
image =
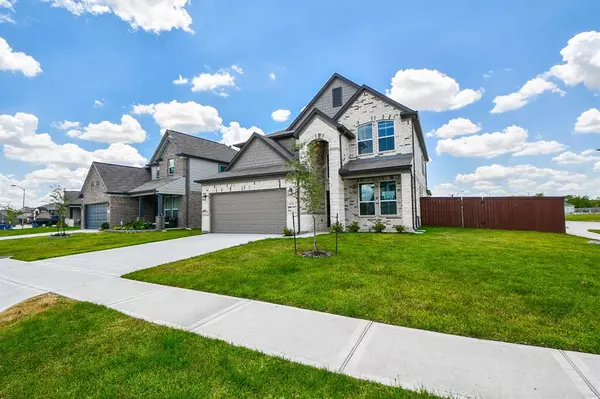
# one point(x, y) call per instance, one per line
point(171, 207)
point(367, 199)
point(387, 201)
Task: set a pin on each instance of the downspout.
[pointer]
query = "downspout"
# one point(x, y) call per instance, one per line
point(298, 203)
point(412, 177)
point(187, 193)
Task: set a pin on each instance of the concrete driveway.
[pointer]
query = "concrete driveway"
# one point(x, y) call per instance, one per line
point(581, 229)
point(119, 261)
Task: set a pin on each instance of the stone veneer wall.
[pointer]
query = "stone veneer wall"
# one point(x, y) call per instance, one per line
point(403, 198)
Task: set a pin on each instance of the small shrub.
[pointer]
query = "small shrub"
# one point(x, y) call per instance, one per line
point(353, 227)
point(337, 227)
point(400, 228)
point(104, 226)
point(378, 227)
point(288, 232)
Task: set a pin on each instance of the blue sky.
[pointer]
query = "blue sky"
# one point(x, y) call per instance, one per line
point(123, 54)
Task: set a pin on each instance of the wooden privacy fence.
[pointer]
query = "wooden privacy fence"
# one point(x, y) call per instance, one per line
point(508, 213)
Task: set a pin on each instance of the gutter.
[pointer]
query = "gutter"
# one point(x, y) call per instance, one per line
point(187, 192)
point(413, 183)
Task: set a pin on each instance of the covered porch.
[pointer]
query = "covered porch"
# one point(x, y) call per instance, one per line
point(159, 202)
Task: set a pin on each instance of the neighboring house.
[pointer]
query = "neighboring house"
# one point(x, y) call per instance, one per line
point(162, 192)
point(569, 208)
point(376, 167)
point(44, 213)
point(75, 204)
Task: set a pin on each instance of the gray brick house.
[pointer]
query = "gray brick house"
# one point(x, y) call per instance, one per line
point(376, 161)
point(163, 192)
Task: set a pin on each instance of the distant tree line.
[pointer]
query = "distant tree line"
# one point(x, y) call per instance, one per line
point(583, 201)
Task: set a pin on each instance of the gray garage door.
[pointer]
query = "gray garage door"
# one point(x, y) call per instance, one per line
point(248, 212)
point(95, 215)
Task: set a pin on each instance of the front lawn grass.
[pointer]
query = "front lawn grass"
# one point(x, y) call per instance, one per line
point(524, 287)
point(584, 217)
point(595, 231)
point(36, 248)
point(70, 349)
point(33, 230)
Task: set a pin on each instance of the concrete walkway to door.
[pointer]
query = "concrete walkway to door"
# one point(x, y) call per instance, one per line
point(581, 229)
point(393, 355)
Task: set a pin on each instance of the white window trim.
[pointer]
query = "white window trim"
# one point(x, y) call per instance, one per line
point(393, 136)
point(367, 202)
point(169, 166)
point(372, 140)
point(381, 200)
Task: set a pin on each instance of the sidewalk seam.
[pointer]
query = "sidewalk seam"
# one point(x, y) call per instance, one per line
point(583, 377)
point(360, 339)
point(131, 298)
point(219, 315)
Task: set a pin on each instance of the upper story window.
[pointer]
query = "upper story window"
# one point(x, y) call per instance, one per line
point(365, 139)
point(337, 97)
point(222, 167)
point(385, 135)
point(367, 199)
point(171, 166)
point(157, 171)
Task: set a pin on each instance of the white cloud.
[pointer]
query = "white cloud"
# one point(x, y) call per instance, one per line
point(180, 81)
point(456, 127)
point(98, 104)
point(129, 131)
point(573, 158)
point(528, 92)
point(237, 69)
point(150, 15)
point(213, 81)
point(444, 190)
point(430, 90)
point(65, 125)
point(6, 18)
point(13, 61)
point(488, 74)
point(581, 59)
point(501, 172)
point(513, 140)
point(589, 121)
point(189, 117)
point(272, 76)
point(525, 180)
point(234, 133)
point(23, 143)
point(6, 4)
point(281, 115)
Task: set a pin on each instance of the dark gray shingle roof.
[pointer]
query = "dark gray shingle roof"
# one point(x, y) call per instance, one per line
point(246, 173)
point(74, 198)
point(201, 148)
point(152, 185)
point(121, 179)
point(379, 164)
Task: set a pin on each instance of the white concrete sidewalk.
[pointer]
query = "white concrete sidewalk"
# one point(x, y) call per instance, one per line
point(581, 229)
point(413, 359)
point(44, 234)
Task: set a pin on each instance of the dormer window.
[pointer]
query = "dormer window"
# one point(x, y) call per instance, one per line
point(337, 97)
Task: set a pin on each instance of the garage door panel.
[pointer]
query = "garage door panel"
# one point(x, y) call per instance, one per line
point(95, 215)
point(249, 212)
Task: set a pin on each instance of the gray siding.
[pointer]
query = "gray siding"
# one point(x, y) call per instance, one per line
point(199, 169)
point(324, 103)
point(286, 143)
point(257, 154)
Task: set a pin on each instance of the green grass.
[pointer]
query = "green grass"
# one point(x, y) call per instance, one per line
point(595, 231)
point(81, 350)
point(29, 249)
point(33, 230)
point(525, 287)
point(584, 217)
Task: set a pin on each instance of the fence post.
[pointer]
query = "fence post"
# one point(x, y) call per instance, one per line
point(462, 213)
point(294, 226)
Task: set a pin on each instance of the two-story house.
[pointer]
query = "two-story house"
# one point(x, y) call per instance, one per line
point(163, 192)
point(376, 166)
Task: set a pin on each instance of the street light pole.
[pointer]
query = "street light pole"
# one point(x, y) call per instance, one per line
point(23, 208)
